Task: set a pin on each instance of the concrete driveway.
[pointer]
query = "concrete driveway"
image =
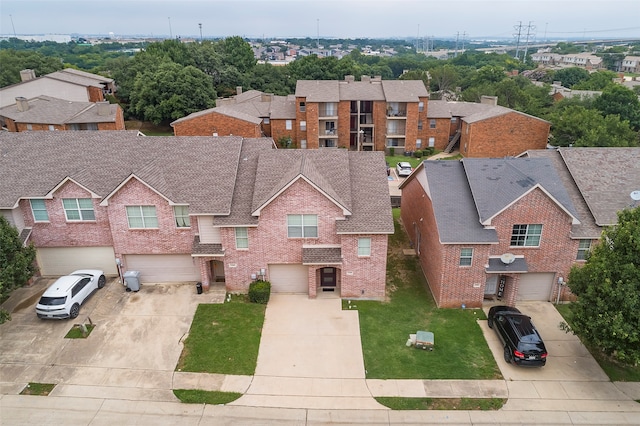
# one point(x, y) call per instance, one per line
point(568, 359)
point(137, 338)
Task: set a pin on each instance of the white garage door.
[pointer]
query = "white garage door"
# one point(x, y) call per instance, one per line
point(536, 286)
point(55, 261)
point(289, 278)
point(163, 268)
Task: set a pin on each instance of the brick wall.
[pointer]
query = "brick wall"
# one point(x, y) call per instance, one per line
point(279, 129)
point(57, 232)
point(380, 125)
point(95, 94)
point(166, 239)
point(506, 135)
point(443, 131)
point(224, 125)
point(269, 244)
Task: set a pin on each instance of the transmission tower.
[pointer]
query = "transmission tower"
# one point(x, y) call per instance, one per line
point(517, 35)
point(530, 34)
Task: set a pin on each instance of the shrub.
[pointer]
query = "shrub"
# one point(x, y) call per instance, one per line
point(417, 154)
point(428, 151)
point(392, 151)
point(259, 292)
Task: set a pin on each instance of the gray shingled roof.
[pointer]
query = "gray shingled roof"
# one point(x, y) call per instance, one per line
point(49, 110)
point(318, 90)
point(606, 177)
point(361, 91)
point(83, 79)
point(404, 90)
point(469, 111)
point(283, 107)
point(321, 255)
point(455, 212)
point(199, 170)
point(587, 227)
point(498, 182)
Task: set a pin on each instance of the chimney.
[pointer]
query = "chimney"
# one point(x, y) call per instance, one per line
point(26, 75)
point(266, 97)
point(103, 108)
point(349, 78)
point(238, 90)
point(377, 78)
point(489, 100)
point(22, 104)
point(365, 78)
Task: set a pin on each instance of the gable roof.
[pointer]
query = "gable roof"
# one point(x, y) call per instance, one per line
point(605, 177)
point(49, 110)
point(404, 90)
point(80, 77)
point(497, 183)
point(181, 168)
point(318, 90)
point(455, 212)
point(469, 112)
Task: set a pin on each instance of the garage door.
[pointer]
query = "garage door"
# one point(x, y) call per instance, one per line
point(55, 261)
point(536, 286)
point(163, 268)
point(289, 278)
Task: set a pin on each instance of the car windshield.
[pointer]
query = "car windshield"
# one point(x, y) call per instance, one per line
point(52, 301)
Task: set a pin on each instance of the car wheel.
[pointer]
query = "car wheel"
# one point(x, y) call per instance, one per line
point(490, 322)
point(507, 355)
point(101, 281)
point(75, 310)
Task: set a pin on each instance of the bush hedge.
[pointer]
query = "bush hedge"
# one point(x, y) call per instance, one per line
point(259, 292)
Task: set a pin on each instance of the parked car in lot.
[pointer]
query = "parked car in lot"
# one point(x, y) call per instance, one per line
point(64, 297)
point(403, 168)
point(521, 341)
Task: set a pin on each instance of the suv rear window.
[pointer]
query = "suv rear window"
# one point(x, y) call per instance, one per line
point(52, 301)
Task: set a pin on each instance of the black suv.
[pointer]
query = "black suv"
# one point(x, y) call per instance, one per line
point(522, 342)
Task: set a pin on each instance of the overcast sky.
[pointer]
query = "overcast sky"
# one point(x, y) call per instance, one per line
point(589, 19)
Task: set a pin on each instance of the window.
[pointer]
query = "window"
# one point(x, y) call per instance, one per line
point(29, 126)
point(420, 106)
point(330, 109)
point(242, 238)
point(466, 255)
point(181, 214)
point(303, 125)
point(526, 235)
point(419, 124)
point(432, 142)
point(39, 211)
point(454, 119)
point(303, 106)
point(302, 226)
point(364, 246)
point(142, 216)
point(266, 120)
point(303, 144)
point(583, 249)
point(78, 209)
point(432, 123)
point(418, 143)
point(51, 127)
point(289, 124)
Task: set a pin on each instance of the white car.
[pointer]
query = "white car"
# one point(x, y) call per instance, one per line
point(403, 168)
point(63, 298)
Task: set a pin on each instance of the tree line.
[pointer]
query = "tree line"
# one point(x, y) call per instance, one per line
point(170, 79)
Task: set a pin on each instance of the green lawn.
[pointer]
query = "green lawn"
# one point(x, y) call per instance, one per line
point(393, 160)
point(485, 404)
point(461, 351)
point(196, 396)
point(224, 338)
point(617, 372)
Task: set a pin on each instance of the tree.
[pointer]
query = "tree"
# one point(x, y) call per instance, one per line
point(171, 92)
point(619, 100)
point(597, 81)
point(571, 76)
point(15, 61)
point(238, 53)
point(16, 261)
point(607, 312)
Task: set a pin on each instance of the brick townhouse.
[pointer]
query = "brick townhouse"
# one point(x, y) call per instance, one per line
point(68, 84)
point(220, 210)
point(371, 115)
point(511, 228)
point(48, 113)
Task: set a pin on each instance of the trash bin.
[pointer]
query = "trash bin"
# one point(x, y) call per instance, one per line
point(132, 280)
point(199, 288)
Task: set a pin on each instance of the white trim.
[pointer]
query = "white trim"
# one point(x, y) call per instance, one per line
point(257, 211)
point(574, 220)
point(49, 194)
point(105, 201)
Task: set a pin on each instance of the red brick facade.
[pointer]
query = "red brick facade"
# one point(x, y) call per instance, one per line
point(453, 285)
point(213, 122)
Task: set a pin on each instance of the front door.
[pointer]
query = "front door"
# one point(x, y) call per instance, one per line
point(328, 279)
